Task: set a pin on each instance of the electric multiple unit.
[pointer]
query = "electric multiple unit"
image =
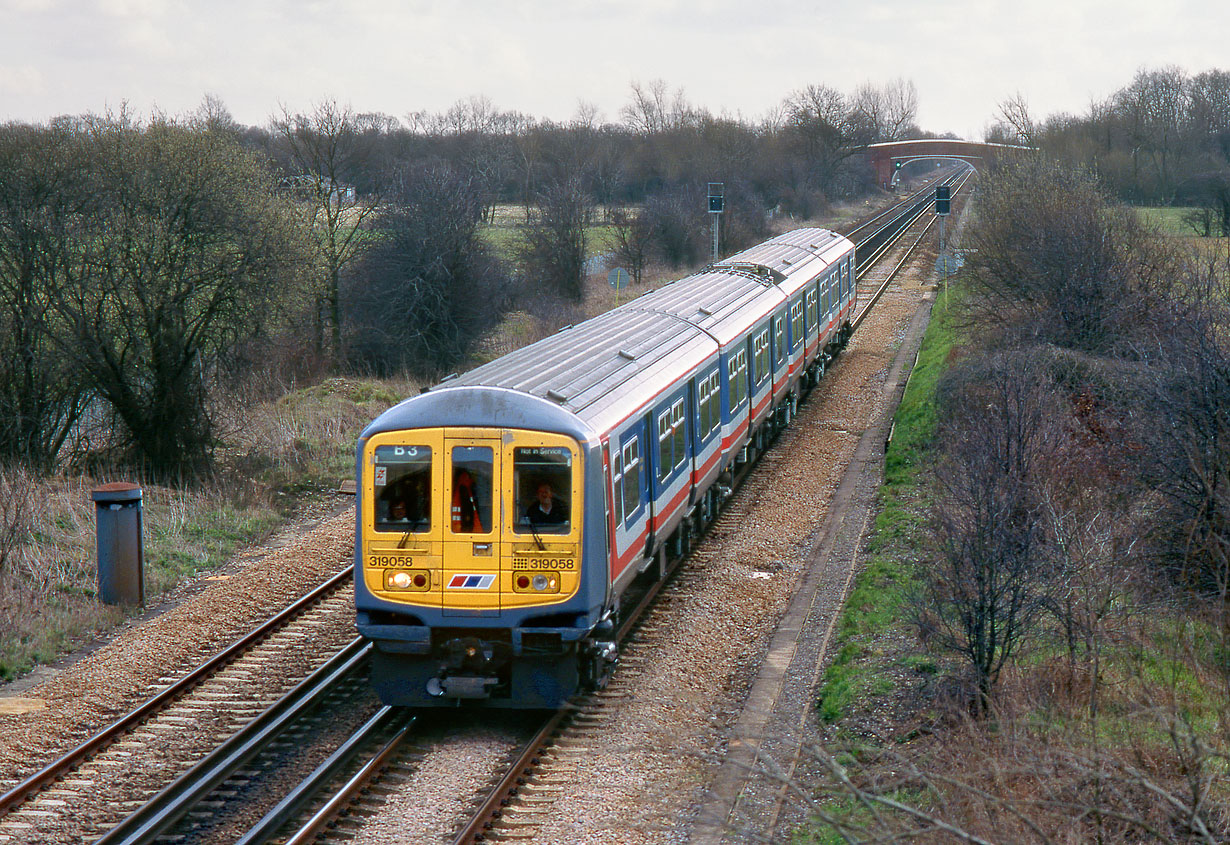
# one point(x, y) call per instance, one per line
point(502, 515)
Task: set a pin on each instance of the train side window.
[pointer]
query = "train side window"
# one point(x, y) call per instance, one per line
point(813, 316)
point(845, 280)
point(796, 323)
point(680, 432)
point(617, 486)
point(709, 394)
point(760, 360)
point(665, 461)
point(779, 341)
point(473, 470)
point(632, 477)
point(736, 374)
point(672, 439)
point(542, 479)
point(402, 477)
point(702, 407)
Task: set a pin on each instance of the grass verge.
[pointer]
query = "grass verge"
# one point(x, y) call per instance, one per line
point(277, 458)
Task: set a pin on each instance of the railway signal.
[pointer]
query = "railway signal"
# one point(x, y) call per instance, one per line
point(717, 201)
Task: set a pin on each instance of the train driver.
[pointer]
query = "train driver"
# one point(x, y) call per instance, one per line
point(546, 509)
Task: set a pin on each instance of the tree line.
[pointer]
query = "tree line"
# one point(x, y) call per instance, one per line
point(1162, 139)
point(148, 266)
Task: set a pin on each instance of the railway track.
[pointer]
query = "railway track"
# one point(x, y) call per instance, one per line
point(73, 796)
point(521, 798)
point(368, 763)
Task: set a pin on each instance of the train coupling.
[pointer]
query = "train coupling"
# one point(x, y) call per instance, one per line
point(602, 655)
point(461, 686)
point(469, 670)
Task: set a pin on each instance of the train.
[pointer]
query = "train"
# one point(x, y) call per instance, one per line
point(503, 515)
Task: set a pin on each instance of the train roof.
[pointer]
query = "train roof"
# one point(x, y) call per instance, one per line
point(603, 369)
point(606, 368)
point(792, 259)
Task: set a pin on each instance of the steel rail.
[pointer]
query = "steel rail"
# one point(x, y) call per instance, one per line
point(265, 829)
point(502, 793)
point(506, 788)
point(51, 772)
point(148, 822)
point(866, 309)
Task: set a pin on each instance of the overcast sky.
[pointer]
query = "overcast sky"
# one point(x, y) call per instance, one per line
point(543, 57)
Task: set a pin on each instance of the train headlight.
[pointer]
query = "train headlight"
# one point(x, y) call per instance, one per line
point(536, 582)
point(416, 580)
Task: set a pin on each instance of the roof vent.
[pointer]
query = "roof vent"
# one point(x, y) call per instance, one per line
point(705, 311)
point(624, 353)
point(557, 396)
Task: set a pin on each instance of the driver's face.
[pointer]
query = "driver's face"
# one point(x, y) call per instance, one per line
point(544, 495)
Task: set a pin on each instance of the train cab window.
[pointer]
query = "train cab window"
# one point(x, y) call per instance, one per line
point(472, 489)
point(402, 492)
point(542, 479)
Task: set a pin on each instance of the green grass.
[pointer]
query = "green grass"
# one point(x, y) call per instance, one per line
point(878, 598)
point(1168, 220)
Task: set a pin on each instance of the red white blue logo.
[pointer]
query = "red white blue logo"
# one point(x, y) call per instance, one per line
point(471, 582)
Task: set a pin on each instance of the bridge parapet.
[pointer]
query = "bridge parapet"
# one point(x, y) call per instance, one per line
point(884, 157)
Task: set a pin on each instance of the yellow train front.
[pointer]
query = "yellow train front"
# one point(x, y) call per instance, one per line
point(470, 547)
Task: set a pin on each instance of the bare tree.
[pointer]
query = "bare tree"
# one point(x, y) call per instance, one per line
point(887, 113)
point(420, 299)
point(44, 195)
point(1154, 108)
point(984, 589)
point(633, 242)
point(820, 125)
point(554, 251)
point(654, 110)
point(322, 146)
point(1014, 113)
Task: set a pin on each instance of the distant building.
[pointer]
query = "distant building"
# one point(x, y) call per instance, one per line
point(309, 186)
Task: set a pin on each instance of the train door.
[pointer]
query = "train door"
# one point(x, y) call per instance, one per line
point(779, 354)
point(631, 503)
point(472, 529)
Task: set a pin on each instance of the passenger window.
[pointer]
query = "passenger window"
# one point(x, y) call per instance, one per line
point(472, 487)
point(542, 478)
point(402, 479)
point(736, 372)
point(679, 426)
point(632, 477)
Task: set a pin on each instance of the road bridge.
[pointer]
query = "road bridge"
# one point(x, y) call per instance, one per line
point(890, 156)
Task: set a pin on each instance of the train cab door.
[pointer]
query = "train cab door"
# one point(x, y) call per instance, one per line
point(471, 571)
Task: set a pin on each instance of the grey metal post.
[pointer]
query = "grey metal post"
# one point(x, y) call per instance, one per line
point(121, 554)
point(717, 201)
